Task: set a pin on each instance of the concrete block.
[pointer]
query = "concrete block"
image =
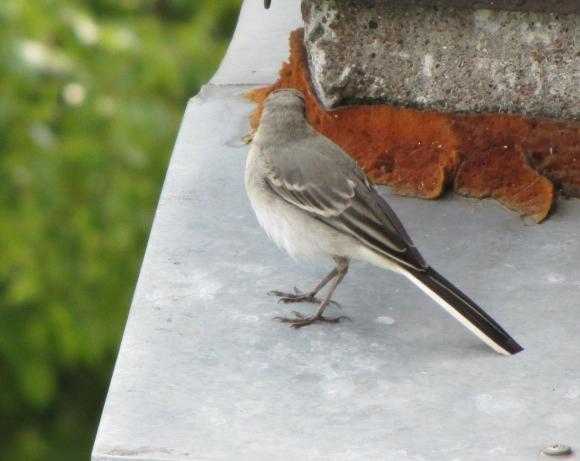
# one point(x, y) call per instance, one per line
point(444, 59)
point(553, 6)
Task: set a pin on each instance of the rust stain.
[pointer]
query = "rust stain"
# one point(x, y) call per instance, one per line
point(511, 159)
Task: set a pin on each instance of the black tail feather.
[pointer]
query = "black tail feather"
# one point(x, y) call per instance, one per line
point(465, 310)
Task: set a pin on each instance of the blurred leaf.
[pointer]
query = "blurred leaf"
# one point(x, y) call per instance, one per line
point(92, 93)
point(38, 383)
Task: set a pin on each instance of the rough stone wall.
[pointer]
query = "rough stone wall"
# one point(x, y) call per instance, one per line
point(550, 6)
point(444, 59)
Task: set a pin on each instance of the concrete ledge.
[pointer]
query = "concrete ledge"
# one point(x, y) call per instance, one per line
point(444, 59)
point(205, 374)
point(259, 45)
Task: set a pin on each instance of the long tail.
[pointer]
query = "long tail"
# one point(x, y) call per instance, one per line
point(465, 310)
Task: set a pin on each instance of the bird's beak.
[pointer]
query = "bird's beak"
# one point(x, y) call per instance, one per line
point(267, 3)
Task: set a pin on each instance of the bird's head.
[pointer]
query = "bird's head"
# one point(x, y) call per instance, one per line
point(286, 99)
point(283, 115)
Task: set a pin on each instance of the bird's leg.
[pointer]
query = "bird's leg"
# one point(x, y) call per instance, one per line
point(300, 320)
point(299, 297)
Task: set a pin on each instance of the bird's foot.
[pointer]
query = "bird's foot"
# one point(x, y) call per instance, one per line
point(297, 297)
point(300, 320)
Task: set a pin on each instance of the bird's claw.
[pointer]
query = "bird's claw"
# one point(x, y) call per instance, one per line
point(298, 297)
point(300, 320)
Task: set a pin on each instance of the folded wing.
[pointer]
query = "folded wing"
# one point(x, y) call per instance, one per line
point(334, 190)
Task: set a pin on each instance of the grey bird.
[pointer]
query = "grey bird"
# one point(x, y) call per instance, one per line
point(314, 201)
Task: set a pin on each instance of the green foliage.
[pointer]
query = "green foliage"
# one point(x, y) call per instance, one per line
point(91, 96)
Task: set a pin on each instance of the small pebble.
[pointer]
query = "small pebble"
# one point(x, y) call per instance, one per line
point(557, 450)
point(386, 320)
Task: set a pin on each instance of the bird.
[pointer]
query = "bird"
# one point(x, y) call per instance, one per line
point(315, 202)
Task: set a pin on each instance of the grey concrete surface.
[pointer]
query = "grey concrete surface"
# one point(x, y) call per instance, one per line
point(444, 59)
point(205, 374)
point(260, 43)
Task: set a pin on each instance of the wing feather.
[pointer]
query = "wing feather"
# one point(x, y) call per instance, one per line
point(346, 202)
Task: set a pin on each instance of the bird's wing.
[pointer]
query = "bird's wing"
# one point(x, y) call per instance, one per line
point(333, 189)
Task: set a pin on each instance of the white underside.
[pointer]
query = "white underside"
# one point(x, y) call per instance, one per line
point(303, 237)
